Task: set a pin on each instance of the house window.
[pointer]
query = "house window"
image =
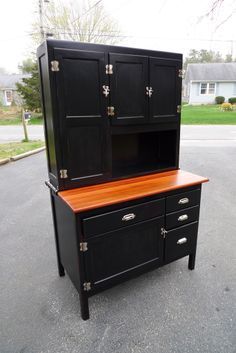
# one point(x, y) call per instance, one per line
point(207, 88)
point(9, 97)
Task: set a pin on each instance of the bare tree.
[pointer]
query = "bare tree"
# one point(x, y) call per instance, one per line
point(86, 23)
point(215, 7)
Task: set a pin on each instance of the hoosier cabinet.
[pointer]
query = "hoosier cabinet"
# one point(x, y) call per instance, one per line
point(121, 205)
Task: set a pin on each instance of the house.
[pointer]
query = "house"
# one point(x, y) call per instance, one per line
point(203, 82)
point(8, 92)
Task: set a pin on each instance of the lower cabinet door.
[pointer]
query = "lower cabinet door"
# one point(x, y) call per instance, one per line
point(116, 253)
point(181, 241)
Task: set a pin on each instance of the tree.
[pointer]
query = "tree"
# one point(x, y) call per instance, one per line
point(26, 66)
point(29, 89)
point(205, 56)
point(87, 23)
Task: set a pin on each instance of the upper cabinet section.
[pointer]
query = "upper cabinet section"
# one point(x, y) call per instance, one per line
point(128, 80)
point(80, 79)
point(165, 82)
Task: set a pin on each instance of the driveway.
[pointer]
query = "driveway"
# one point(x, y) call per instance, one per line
point(169, 310)
point(199, 133)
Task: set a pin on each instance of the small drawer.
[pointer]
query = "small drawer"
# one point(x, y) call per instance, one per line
point(181, 242)
point(177, 219)
point(110, 221)
point(183, 200)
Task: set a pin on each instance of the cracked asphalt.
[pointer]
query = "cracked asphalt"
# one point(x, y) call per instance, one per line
point(169, 310)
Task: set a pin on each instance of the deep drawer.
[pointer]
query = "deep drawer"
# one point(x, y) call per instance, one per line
point(107, 222)
point(180, 242)
point(183, 200)
point(182, 217)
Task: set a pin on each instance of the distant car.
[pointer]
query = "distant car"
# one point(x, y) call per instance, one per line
point(27, 115)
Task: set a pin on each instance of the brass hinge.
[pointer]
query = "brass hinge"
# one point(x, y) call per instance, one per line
point(178, 108)
point(181, 73)
point(83, 246)
point(110, 111)
point(109, 69)
point(163, 232)
point(54, 65)
point(63, 173)
point(87, 286)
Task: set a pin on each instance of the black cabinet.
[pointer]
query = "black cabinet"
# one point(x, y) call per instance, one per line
point(94, 99)
point(120, 204)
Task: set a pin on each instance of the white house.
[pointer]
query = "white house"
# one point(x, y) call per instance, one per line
point(203, 82)
point(8, 92)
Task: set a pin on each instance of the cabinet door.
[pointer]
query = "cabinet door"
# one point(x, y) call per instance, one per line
point(128, 84)
point(166, 85)
point(82, 114)
point(116, 253)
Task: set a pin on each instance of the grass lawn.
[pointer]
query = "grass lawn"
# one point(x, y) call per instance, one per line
point(11, 149)
point(12, 116)
point(207, 114)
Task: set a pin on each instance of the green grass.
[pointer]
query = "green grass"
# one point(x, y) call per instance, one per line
point(12, 116)
point(207, 114)
point(11, 149)
point(16, 120)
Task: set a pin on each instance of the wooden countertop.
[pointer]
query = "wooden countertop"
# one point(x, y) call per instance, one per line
point(90, 197)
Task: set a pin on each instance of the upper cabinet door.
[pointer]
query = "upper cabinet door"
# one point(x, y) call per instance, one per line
point(166, 89)
point(82, 116)
point(128, 89)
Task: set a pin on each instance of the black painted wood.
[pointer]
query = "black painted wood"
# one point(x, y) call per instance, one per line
point(122, 250)
point(175, 249)
point(127, 85)
point(183, 200)
point(79, 133)
point(123, 217)
point(166, 86)
point(179, 218)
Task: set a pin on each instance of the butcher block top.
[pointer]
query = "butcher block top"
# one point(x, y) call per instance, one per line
point(100, 195)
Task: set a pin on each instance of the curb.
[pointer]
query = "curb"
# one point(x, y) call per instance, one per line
point(26, 154)
point(4, 161)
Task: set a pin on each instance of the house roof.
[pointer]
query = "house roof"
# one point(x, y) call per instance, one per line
point(211, 72)
point(9, 81)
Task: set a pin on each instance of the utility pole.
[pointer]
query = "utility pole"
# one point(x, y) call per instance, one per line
point(42, 33)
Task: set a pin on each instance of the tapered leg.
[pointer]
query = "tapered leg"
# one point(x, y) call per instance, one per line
point(191, 261)
point(84, 307)
point(61, 270)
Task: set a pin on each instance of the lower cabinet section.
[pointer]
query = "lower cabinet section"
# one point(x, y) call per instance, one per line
point(106, 246)
point(114, 253)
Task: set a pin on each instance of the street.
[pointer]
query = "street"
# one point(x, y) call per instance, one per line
point(214, 134)
point(169, 310)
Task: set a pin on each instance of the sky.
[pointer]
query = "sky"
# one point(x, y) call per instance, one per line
point(166, 25)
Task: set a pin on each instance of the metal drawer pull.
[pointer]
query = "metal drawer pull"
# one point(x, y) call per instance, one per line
point(182, 218)
point(182, 241)
point(128, 217)
point(183, 201)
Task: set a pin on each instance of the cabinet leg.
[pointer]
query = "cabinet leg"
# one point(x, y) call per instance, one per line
point(84, 307)
point(61, 270)
point(191, 261)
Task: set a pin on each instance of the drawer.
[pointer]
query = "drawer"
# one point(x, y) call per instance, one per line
point(109, 221)
point(181, 242)
point(183, 200)
point(176, 219)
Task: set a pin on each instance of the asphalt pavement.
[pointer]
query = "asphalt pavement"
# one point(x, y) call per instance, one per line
point(169, 310)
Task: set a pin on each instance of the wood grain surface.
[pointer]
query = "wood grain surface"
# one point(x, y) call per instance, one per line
point(91, 197)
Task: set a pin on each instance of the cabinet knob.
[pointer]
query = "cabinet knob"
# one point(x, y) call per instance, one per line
point(183, 201)
point(149, 91)
point(128, 217)
point(182, 241)
point(182, 218)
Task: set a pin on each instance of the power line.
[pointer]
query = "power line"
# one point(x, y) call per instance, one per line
point(86, 12)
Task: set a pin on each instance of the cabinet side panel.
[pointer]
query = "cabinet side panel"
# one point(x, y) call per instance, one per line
point(48, 118)
point(67, 238)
